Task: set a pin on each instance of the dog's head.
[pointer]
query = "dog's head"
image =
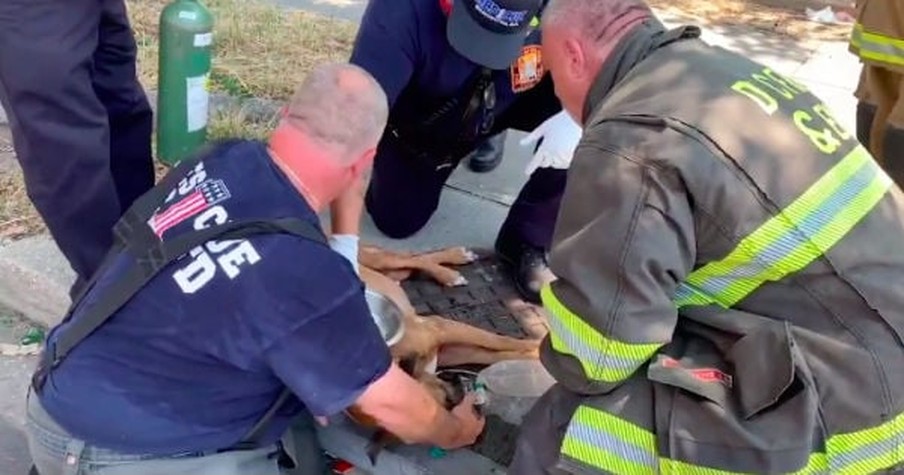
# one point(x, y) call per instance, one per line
point(446, 393)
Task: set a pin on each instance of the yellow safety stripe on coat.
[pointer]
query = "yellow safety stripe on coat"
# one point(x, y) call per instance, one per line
point(869, 450)
point(795, 237)
point(603, 358)
point(612, 444)
point(876, 47)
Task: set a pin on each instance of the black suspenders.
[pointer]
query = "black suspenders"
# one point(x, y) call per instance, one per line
point(150, 256)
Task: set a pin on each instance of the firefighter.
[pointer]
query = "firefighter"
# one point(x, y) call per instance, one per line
point(80, 121)
point(221, 315)
point(729, 265)
point(456, 73)
point(878, 40)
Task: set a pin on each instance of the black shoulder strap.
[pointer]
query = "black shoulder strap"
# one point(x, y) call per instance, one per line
point(152, 257)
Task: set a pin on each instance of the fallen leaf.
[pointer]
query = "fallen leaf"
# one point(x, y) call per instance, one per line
point(13, 231)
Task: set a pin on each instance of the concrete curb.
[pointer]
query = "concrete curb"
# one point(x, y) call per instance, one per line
point(35, 280)
point(35, 277)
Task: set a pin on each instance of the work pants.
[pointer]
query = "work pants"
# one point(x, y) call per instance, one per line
point(404, 193)
point(55, 452)
point(880, 117)
point(80, 121)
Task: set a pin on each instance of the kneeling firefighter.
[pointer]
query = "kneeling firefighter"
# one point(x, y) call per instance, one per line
point(730, 267)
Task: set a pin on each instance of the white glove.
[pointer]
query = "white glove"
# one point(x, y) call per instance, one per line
point(347, 246)
point(560, 134)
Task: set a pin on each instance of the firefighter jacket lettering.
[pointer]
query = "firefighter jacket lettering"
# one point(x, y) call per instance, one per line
point(730, 262)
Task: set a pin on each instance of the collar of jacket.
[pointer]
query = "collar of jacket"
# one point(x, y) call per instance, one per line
point(636, 46)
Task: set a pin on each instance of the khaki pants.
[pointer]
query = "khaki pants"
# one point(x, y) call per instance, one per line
point(880, 121)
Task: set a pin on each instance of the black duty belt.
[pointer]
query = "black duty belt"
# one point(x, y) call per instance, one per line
point(420, 141)
point(151, 255)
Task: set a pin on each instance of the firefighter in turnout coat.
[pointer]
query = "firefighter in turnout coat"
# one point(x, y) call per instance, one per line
point(878, 40)
point(730, 266)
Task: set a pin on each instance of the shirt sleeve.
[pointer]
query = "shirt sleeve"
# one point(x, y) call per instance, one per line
point(624, 241)
point(386, 44)
point(328, 349)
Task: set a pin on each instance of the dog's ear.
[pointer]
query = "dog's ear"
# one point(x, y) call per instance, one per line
point(408, 365)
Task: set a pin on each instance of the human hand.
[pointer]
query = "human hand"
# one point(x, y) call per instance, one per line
point(560, 135)
point(470, 422)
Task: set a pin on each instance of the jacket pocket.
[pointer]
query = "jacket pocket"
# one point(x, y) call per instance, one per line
point(751, 409)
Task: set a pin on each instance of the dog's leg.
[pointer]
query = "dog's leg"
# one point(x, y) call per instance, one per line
point(456, 355)
point(456, 256)
point(430, 263)
point(450, 332)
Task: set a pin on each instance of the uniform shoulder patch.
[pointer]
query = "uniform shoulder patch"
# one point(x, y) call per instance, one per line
point(527, 70)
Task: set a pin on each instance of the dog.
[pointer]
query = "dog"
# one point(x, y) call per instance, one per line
point(431, 340)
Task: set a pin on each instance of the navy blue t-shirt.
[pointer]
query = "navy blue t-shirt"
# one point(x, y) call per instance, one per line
point(194, 360)
point(403, 44)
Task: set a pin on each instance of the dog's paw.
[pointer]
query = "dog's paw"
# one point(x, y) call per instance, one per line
point(459, 281)
point(456, 256)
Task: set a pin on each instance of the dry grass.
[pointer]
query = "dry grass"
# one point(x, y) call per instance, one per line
point(259, 50)
point(18, 217)
point(782, 17)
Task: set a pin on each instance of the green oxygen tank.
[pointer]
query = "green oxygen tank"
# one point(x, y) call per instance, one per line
point(183, 98)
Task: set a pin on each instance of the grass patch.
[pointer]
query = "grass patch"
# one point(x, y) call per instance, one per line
point(259, 50)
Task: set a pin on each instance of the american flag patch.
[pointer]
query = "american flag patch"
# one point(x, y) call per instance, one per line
point(205, 195)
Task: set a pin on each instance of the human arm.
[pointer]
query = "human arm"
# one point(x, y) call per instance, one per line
point(345, 221)
point(404, 408)
point(337, 358)
point(386, 44)
point(623, 243)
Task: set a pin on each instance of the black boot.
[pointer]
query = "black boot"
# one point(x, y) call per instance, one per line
point(488, 155)
point(866, 113)
point(526, 264)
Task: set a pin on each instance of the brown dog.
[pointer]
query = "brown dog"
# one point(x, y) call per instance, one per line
point(429, 339)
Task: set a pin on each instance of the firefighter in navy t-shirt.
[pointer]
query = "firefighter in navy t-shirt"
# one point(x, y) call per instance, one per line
point(194, 358)
point(457, 72)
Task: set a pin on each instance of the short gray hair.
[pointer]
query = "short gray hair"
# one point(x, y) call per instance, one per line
point(340, 106)
point(594, 20)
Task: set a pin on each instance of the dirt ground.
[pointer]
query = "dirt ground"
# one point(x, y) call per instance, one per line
point(782, 17)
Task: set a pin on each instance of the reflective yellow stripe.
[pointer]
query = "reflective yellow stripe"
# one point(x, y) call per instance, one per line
point(604, 441)
point(868, 450)
point(795, 237)
point(603, 359)
point(876, 47)
point(607, 442)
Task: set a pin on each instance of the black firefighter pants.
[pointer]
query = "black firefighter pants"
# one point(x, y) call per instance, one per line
point(404, 192)
point(80, 121)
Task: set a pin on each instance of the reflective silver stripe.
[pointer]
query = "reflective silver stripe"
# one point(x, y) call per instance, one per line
point(602, 440)
point(586, 353)
point(882, 448)
point(883, 48)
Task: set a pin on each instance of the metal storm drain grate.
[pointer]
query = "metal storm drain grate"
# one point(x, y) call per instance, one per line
point(489, 301)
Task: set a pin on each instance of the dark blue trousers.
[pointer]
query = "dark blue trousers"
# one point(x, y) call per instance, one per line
point(404, 192)
point(80, 121)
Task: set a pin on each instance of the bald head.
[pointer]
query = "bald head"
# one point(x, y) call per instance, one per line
point(578, 37)
point(598, 21)
point(341, 107)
